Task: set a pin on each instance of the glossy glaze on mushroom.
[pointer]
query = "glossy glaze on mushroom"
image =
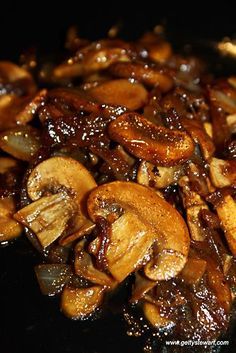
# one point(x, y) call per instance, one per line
point(120, 169)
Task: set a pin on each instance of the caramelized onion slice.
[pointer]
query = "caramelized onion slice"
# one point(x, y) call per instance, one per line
point(120, 92)
point(193, 270)
point(79, 303)
point(155, 144)
point(141, 286)
point(52, 277)
point(21, 142)
point(138, 219)
point(9, 228)
point(12, 73)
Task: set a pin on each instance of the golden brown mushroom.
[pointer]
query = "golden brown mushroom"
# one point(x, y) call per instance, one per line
point(222, 172)
point(91, 61)
point(85, 268)
point(120, 92)
point(79, 303)
point(58, 186)
point(157, 176)
point(155, 144)
point(138, 219)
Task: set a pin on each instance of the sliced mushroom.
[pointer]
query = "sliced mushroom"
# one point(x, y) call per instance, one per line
point(144, 74)
point(120, 92)
point(85, 268)
point(155, 144)
point(156, 176)
point(92, 61)
point(79, 303)
point(193, 270)
point(152, 314)
point(226, 211)
point(193, 204)
point(137, 211)
point(21, 142)
point(67, 182)
point(222, 173)
point(48, 216)
point(9, 228)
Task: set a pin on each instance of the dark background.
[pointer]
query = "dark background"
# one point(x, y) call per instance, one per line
point(43, 23)
point(30, 322)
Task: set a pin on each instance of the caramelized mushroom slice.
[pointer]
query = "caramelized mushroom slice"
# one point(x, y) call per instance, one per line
point(156, 176)
point(143, 73)
point(152, 314)
point(21, 142)
point(222, 173)
point(79, 303)
point(120, 92)
point(138, 212)
point(84, 267)
point(9, 228)
point(67, 182)
point(226, 211)
point(193, 204)
point(155, 144)
point(48, 216)
point(92, 61)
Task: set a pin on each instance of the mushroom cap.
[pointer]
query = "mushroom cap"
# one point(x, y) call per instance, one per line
point(57, 172)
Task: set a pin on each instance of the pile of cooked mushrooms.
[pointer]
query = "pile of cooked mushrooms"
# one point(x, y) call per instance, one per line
point(119, 165)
